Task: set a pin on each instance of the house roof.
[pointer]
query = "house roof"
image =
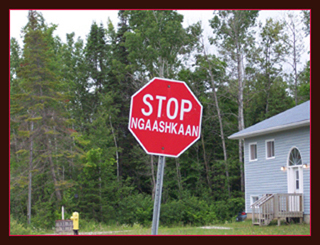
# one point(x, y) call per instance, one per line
point(297, 116)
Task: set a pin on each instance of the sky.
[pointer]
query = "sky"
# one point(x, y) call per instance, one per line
point(80, 21)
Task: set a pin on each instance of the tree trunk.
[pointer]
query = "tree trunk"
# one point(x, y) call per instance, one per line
point(100, 196)
point(225, 158)
point(153, 182)
point(241, 166)
point(115, 143)
point(30, 174)
point(240, 115)
point(57, 190)
point(295, 70)
point(215, 98)
point(178, 175)
point(205, 162)
point(53, 173)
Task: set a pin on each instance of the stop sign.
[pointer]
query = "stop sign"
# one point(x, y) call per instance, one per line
point(165, 117)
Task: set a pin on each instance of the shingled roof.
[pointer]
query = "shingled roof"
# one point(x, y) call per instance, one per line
point(297, 116)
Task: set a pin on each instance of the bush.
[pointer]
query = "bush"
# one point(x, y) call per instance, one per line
point(195, 211)
point(226, 210)
point(17, 228)
point(87, 225)
point(171, 213)
point(135, 209)
point(189, 210)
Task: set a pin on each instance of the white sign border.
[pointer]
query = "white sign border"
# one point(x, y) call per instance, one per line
point(200, 122)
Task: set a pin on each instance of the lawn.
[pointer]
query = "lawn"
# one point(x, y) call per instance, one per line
point(223, 229)
point(235, 228)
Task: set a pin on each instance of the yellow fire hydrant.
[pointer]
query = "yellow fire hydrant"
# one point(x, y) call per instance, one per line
point(75, 221)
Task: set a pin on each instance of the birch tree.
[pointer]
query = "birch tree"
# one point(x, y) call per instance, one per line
point(233, 35)
point(295, 42)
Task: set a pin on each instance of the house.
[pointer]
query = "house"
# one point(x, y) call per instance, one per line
point(277, 164)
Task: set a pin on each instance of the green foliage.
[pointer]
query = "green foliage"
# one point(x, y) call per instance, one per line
point(304, 84)
point(69, 108)
point(135, 209)
point(156, 39)
point(226, 210)
point(45, 216)
point(232, 31)
point(195, 211)
point(17, 228)
point(306, 21)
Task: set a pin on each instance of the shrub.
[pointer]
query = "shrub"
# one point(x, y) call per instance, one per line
point(17, 228)
point(135, 209)
point(225, 210)
point(171, 213)
point(189, 210)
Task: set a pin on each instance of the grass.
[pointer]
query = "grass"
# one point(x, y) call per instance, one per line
point(231, 228)
point(235, 228)
point(239, 228)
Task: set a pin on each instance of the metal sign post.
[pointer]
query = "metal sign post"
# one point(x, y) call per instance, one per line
point(157, 199)
point(165, 118)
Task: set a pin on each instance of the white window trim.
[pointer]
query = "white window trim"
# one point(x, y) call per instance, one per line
point(290, 168)
point(251, 196)
point(274, 152)
point(253, 160)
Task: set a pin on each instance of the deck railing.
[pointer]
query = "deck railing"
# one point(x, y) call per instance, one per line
point(263, 210)
point(289, 205)
point(277, 206)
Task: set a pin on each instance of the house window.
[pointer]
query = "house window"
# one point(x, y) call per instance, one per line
point(295, 157)
point(253, 199)
point(297, 179)
point(253, 151)
point(270, 149)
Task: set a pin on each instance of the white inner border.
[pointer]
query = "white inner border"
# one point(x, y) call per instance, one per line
point(200, 120)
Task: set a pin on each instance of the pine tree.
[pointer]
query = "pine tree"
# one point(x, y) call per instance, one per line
point(120, 81)
point(265, 85)
point(304, 83)
point(295, 42)
point(41, 115)
point(155, 42)
point(271, 56)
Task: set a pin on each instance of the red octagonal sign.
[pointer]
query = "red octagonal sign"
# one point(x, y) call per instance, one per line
point(165, 117)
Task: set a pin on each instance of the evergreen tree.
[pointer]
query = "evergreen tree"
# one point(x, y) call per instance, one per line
point(155, 40)
point(274, 50)
point(265, 84)
point(122, 90)
point(96, 59)
point(41, 113)
point(304, 84)
point(306, 21)
point(296, 48)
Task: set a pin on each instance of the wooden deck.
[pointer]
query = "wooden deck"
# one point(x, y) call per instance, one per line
point(277, 206)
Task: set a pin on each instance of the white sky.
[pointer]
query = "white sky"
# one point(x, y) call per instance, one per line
point(80, 21)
